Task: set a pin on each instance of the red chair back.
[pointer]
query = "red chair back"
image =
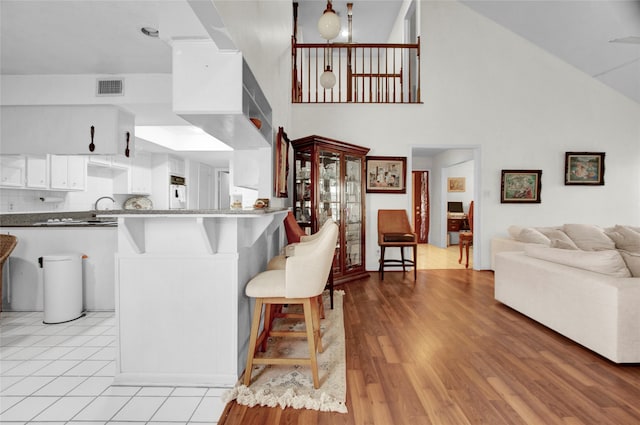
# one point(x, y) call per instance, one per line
point(293, 230)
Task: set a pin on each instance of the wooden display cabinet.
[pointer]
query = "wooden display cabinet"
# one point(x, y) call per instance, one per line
point(329, 183)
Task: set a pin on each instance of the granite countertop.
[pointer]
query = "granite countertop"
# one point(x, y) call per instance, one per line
point(243, 211)
point(108, 218)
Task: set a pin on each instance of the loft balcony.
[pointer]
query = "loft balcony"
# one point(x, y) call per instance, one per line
point(364, 73)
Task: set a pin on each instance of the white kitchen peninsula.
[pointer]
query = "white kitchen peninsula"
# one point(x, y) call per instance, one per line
point(182, 316)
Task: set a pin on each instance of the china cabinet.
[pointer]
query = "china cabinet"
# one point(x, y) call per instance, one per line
point(329, 183)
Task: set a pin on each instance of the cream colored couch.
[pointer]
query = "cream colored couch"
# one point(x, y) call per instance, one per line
point(590, 293)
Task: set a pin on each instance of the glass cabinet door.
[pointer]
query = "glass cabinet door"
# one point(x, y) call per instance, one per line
point(353, 212)
point(302, 207)
point(328, 187)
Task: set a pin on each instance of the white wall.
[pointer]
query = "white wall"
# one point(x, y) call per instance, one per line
point(515, 106)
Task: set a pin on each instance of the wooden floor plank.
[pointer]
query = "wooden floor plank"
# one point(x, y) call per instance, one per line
point(440, 350)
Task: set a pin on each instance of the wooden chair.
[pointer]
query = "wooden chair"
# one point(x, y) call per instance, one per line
point(466, 237)
point(7, 244)
point(394, 230)
point(301, 282)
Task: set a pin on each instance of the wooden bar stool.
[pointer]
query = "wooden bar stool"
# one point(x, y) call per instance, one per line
point(301, 282)
point(394, 230)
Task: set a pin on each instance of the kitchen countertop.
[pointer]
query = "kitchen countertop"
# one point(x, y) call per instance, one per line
point(106, 218)
point(244, 211)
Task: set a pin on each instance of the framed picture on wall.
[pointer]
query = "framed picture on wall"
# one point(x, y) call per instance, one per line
point(520, 186)
point(386, 174)
point(281, 165)
point(584, 168)
point(456, 184)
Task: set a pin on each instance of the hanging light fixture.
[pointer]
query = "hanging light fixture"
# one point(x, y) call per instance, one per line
point(329, 23)
point(328, 78)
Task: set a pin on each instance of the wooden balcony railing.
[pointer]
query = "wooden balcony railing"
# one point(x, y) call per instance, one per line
point(365, 73)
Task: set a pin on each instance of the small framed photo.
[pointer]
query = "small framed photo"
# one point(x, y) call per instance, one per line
point(456, 184)
point(584, 168)
point(386, 174)
point(521, 186)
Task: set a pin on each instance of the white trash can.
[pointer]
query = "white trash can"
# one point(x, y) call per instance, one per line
point(62, 287)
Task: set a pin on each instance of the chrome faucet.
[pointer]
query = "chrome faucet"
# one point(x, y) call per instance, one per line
point(101, 198)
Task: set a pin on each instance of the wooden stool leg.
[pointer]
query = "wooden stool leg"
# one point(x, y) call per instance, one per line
point(381, 269)
point(308, 319)
point(315, 309)
point(460, 243)
point(269, 315)
point(331, 286)
point(415, 262)
point(251, 352)
point(402, 258)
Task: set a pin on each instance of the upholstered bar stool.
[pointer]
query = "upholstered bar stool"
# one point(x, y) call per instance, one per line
point(278, 262)
point(394, 230)
point(7, 244)
point(301, 281)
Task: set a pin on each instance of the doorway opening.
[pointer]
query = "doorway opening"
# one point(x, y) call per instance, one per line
point(432, 170)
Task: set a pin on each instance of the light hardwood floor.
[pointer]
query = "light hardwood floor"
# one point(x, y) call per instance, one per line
point(442, 351)
point(431, 257)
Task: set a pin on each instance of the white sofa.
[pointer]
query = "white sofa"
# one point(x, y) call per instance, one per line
point(591, 296)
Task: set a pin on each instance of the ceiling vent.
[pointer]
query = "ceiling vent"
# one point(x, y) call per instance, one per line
point(110, 87)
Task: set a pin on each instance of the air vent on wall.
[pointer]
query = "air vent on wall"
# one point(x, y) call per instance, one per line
point(110, 87)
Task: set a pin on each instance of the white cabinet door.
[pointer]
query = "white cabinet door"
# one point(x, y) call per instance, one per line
point(12, 170)
point(66, 129)
point(77, 172)
point(37, 172)
point(141, 174)
point(68, 172)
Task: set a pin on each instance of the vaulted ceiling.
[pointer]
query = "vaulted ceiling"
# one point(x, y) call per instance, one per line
point(103, 36)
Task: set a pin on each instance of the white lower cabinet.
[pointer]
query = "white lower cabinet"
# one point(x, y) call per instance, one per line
point(68, 172)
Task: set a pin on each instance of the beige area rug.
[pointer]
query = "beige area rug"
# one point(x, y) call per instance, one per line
point(292, 386)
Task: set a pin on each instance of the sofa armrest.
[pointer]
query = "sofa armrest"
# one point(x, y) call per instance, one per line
point(499, 245)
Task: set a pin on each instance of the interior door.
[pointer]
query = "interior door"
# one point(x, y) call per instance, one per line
point(421, 205)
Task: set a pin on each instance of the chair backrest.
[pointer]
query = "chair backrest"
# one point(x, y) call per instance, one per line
point(393, 221)
point(470, 216)
point(292, 229)
point(7, 244)
point(323, 228)
point(306, 273)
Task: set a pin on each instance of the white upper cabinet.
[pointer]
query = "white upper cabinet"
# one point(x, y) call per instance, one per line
point(216, 91)
point(12, 170)
point(37, 172)
point(68, 172)
point(66, 130)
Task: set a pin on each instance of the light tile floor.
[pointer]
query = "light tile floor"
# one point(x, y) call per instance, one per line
point(57, 374)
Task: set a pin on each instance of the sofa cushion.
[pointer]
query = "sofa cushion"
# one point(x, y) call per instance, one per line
point(558, 238)
point(632, 259)
point(625, 238)
point(588, 237)
point(562, 244)
point(531, 235)
point(514, 231)
point(606, 262)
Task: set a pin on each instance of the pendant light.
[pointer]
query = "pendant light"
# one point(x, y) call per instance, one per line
point(328, 78)
point(329, 23)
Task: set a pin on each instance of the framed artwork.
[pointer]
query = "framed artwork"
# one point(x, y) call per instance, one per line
point(456, 184)
point(386, 174)
point(584, 168)
point(520, 186)
point(281, 166)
